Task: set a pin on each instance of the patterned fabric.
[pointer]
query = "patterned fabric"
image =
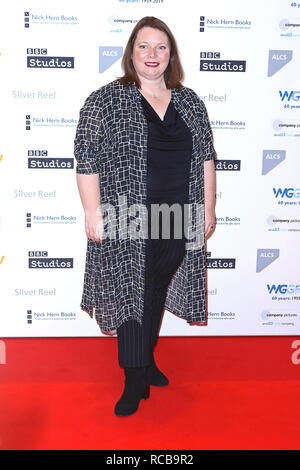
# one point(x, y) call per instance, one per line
point(111, 139)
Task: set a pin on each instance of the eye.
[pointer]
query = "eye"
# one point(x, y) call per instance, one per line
point(162, 47)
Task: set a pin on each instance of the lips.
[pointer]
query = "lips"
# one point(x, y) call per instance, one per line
point(152, 64)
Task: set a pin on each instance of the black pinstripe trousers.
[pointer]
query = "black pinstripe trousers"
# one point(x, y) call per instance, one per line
point(136, 342)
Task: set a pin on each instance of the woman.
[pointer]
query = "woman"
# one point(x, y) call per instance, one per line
point(141, 140)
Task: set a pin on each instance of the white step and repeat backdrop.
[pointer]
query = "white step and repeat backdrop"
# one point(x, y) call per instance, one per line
point(243, 59)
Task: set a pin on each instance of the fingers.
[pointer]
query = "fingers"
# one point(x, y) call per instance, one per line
point(94, 229)
point(209, 228)
point(93, 235)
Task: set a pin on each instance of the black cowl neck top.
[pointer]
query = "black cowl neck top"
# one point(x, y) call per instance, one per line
point(169, 155)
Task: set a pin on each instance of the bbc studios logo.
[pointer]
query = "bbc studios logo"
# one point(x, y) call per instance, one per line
point(228, 165)
point(39, 58)
point(39, 159)
point(41, 260)
point(219, 263)
point(212, 62)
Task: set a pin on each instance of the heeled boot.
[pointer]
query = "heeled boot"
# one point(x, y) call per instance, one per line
point(136, 388)
point(154, 375)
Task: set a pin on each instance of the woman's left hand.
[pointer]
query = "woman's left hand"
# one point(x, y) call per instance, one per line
point(210, 222)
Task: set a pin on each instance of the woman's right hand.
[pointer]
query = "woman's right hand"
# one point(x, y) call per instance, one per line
point(94, 226)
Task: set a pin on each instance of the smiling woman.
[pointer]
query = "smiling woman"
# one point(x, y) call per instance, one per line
point(147, 138)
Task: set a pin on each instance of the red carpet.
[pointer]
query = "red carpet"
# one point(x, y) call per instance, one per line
point(224, 393)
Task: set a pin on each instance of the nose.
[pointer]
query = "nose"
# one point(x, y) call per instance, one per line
point(152, 51)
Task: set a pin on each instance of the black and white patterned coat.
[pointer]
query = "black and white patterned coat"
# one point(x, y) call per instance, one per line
point(111, 139)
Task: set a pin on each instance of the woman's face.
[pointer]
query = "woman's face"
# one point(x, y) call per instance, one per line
point(151, 53)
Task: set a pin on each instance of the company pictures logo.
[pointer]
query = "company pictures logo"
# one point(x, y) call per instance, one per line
point(283, 223)
point(39, 58)
point(286, 128)
point(212, 62)
point(290, 28)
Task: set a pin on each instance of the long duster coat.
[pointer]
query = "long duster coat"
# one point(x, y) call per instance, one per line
point(111, 139)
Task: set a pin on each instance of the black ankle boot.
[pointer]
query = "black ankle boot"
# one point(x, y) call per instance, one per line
point(155, 376)
point(136, 388)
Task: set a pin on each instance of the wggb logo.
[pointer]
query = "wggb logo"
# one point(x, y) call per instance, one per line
point(283, 288)
point(287, 196)
point(38, 58)
point(289, 95)
point(290, 98)
point(286, 192)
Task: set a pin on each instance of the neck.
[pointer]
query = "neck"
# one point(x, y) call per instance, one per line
point(153, 87)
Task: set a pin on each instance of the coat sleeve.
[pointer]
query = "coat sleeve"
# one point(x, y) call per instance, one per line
point(207, 139)
point(87, 138)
